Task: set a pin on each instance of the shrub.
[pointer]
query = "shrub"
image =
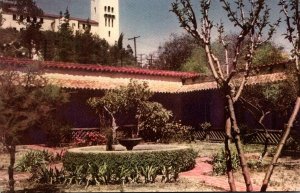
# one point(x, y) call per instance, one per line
point(176, 132)
point(256, 165)
point(34, 159)
point(183, 159)
point(57, 131)
point(153, 120)
point(102, 174)
point(219, 162)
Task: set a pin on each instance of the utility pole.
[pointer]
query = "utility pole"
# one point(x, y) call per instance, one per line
point(134, 39)
point(150, 60)
point(141, 56)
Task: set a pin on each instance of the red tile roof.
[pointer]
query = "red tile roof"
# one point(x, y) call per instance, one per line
point(99, 68)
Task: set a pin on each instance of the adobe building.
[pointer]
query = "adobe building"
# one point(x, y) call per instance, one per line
point(193, 98)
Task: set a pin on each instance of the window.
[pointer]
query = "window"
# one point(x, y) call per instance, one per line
point(112, 9)
point(95, 9)
point(105, 8)
point(73, 25)
point(108, 33)
point(108, 8)
point(105, 22)
point(14, 17)
point(108, 22)
point(83, 26)
point(42, 20)
point(112, 22)
point(34, 19)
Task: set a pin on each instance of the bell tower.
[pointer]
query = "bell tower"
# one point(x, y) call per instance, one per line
point(106, 13)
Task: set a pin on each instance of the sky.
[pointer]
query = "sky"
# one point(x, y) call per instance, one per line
point(151, 20)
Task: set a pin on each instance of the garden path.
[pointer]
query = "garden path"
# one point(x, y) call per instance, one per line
point(203, 173)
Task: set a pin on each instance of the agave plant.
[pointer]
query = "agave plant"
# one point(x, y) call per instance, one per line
point(149, 173)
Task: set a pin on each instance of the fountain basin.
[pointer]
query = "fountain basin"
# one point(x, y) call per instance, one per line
point(129, 143)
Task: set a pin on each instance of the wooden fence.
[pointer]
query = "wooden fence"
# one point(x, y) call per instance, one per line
point(215, 135)
point(254, 137)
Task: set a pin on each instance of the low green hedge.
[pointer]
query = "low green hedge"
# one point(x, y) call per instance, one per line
point(181, 158)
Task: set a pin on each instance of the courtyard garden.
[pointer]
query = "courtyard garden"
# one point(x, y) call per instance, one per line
point(209, 177)
point(234, 128)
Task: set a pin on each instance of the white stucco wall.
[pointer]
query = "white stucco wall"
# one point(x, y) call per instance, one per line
point(105, 29)
point(98, 10)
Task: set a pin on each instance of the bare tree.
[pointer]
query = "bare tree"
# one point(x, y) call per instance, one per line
point(250, 18)
point(293, 36)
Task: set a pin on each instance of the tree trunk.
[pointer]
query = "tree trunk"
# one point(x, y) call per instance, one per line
point(229, 170)
point(11, 181)
point(238, 144)
point(284, 137)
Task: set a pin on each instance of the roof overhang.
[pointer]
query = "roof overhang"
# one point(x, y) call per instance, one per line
point(97, 77)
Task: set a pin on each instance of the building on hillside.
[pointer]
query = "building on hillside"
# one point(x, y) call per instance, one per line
point(104, 20)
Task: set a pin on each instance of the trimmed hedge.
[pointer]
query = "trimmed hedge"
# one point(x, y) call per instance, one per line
point(181, 158)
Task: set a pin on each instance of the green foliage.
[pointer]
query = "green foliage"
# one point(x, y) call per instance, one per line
point(219, 162)
point(25, 102)
point(276, 97)
point(170, 174)
point(102, 174)
point(9, 43)
point(65, 42)
point(46, 175)
point(153, 120)
point(256, 165)
point(149, 173)
point(175, 52)
point(33, 159)
point(131, 105)
point(31, 38)
point(90, 49)
point(205, 126)
point(184, 159)
point(123, 102)
point(268, 53)
point(197, 62)
point(176, 132)
point(97, 169)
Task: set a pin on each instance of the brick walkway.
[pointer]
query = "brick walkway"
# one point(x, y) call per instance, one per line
point(203, 173)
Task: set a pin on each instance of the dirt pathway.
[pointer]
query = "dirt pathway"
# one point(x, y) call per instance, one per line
point(203, 173)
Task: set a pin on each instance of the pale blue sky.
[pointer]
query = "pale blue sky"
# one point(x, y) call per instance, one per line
point(150, 19)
